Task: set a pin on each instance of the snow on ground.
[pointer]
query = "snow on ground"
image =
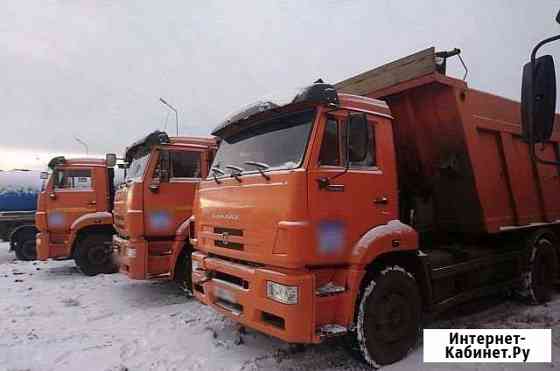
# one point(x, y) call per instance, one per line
point(54, 318)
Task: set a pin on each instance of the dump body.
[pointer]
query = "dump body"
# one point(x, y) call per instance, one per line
point(151, 215)
point(78, 196)
point(451, 140)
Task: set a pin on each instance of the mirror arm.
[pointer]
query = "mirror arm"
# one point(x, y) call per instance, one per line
point(540, 45)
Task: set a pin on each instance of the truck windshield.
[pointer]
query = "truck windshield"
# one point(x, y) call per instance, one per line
point(137, 167)
point(278, 143)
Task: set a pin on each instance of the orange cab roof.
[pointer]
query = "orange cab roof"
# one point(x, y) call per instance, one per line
point(86, 161)
point(207, 141)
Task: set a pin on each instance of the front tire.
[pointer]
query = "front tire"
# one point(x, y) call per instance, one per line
point(25, 246)
point(388, 317)
point(183, 270)
point(94, 255)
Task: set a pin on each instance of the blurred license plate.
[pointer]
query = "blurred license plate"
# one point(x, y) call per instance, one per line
point(224, 294)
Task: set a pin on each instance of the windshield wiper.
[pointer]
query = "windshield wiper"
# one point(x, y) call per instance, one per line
point(236, 173)
point(261, 166)
point(215, 170)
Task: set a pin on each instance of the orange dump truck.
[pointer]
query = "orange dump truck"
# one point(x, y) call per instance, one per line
point(74, 213)
point(358, 207)
point(153, 207)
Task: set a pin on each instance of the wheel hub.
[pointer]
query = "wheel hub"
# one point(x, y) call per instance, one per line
point(98, 255)
point(391, 319)
point(29, 249)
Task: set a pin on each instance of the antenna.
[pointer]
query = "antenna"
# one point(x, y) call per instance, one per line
point(165, 121)
point(83, 144)
point(176, 114)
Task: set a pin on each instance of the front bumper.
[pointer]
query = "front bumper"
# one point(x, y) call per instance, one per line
point(132, 257)
point(45, 250)
point(42, 246)
point(141, 259)
point(239, 292)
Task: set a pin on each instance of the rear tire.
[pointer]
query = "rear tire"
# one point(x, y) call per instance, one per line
point(94, 254)
point(543, 270)
point(388, 317)
point(24, 246)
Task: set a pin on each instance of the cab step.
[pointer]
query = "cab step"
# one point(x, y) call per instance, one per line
point(331, 330)
point(158, 275)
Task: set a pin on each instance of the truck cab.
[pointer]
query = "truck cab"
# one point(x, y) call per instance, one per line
point(356, 207)
point(74, 217)
point(153, 207)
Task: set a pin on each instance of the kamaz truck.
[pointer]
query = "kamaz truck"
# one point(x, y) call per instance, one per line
point(357, 208)
point(74, 217)
point(153, 207)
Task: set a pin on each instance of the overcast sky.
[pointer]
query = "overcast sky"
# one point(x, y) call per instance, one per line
point(96, 69)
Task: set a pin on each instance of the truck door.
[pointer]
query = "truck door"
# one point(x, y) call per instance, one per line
point(357, 199)
point(71, 196)
point(172, 203)
point(103, 183)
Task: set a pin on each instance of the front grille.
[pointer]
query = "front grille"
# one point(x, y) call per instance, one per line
point(229, 231)
point(222, 241)
point(237, 281)
point(229, 245)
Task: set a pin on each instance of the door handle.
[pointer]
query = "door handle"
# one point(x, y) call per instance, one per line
point(335, 188)
point(324, 184)
point(381, 200)
point(92, 203)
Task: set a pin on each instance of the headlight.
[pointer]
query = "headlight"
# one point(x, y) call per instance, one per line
point(131, 253)
point(281, 293)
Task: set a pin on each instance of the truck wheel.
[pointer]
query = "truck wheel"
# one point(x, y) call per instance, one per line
point(542, 272)
point(388, 317)
point(94, 255)
point(25, 246)
point(183, 270)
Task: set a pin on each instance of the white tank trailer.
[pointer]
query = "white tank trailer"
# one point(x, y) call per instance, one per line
point(18, 199)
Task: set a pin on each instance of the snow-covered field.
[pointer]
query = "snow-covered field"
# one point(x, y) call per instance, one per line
point(54, 318)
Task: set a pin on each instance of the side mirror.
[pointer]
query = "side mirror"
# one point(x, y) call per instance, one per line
point(356, 138)
point(110, 159)
point(558, 17)
point(538, 100)
point(44, 175)
point(164, 166)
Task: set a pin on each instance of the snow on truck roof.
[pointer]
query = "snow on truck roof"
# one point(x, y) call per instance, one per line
point(319, 93)
point(161, 138)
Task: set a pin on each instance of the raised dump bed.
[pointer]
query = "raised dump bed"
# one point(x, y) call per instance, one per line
point(463, 166)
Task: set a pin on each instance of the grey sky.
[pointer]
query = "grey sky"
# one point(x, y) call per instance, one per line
point(95, 69)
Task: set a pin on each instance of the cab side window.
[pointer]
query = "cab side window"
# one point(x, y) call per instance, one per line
point(330, 152)
point(366, 138)
point(185, 164)
point(78, 179)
